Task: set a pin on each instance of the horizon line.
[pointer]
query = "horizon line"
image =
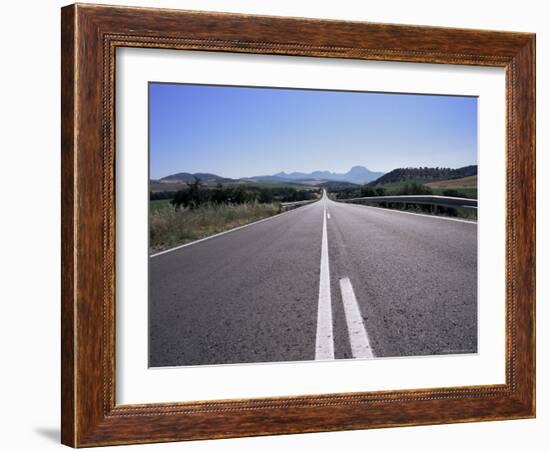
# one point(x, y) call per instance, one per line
point(313, 171)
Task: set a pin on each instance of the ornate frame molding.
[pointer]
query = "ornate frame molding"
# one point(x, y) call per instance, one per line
point(90, 36)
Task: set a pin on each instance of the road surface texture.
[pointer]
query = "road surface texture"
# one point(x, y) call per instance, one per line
point(327, 280)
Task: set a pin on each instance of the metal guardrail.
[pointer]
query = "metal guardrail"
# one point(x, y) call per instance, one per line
point(446, 201)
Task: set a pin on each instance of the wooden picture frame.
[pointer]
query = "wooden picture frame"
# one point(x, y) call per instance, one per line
point(90, 36)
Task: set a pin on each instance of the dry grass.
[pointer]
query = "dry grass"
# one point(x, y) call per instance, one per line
point(169, 227)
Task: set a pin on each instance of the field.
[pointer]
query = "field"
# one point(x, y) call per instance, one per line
point(460, 192)
point(465, 187)
point(170, 227)
point(156, 187)
point(464, 182)
point(159, 204)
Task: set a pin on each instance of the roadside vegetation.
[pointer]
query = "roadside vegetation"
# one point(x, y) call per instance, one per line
point(199, 211)
point(408, 187)
point(170, 227)
point(184, 211)
point(195, 195)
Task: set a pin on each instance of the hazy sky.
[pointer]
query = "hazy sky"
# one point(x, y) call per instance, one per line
point(242, 131)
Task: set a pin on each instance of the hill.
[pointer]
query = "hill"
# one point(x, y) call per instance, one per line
point(463, 182)
point(190, 177)
point(425, 174)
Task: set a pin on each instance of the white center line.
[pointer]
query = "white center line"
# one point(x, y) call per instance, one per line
point(358, 337)
point(324, 344)
point(328, 215)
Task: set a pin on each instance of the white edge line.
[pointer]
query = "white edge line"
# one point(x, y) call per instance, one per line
point(324, 340)
point(435, 217)
point(357, 332)
point(226, 232)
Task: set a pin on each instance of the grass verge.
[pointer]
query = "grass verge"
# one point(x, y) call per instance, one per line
point(169, 227)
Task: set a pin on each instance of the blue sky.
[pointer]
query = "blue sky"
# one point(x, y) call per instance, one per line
point(244, 131)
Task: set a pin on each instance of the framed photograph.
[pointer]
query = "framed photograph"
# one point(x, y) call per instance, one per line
point(281, 225)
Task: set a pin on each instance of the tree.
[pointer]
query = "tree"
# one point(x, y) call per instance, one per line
point(380, 191)
point(190, 197)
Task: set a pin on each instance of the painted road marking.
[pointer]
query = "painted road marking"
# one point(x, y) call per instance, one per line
point(358, 337)
point(324, 343)
point(328, 215)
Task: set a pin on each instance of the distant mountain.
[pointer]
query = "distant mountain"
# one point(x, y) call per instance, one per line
point(361, 175)
point(425, 173)
point(356, 175)
point(264, 179)
point(190, 177)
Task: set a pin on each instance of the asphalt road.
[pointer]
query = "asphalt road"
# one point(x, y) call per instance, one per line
point(327, 280)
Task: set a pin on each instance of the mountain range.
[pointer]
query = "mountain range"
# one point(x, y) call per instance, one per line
point(356, 175)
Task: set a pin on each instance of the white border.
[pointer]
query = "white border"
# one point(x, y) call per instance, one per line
point(135, 383)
